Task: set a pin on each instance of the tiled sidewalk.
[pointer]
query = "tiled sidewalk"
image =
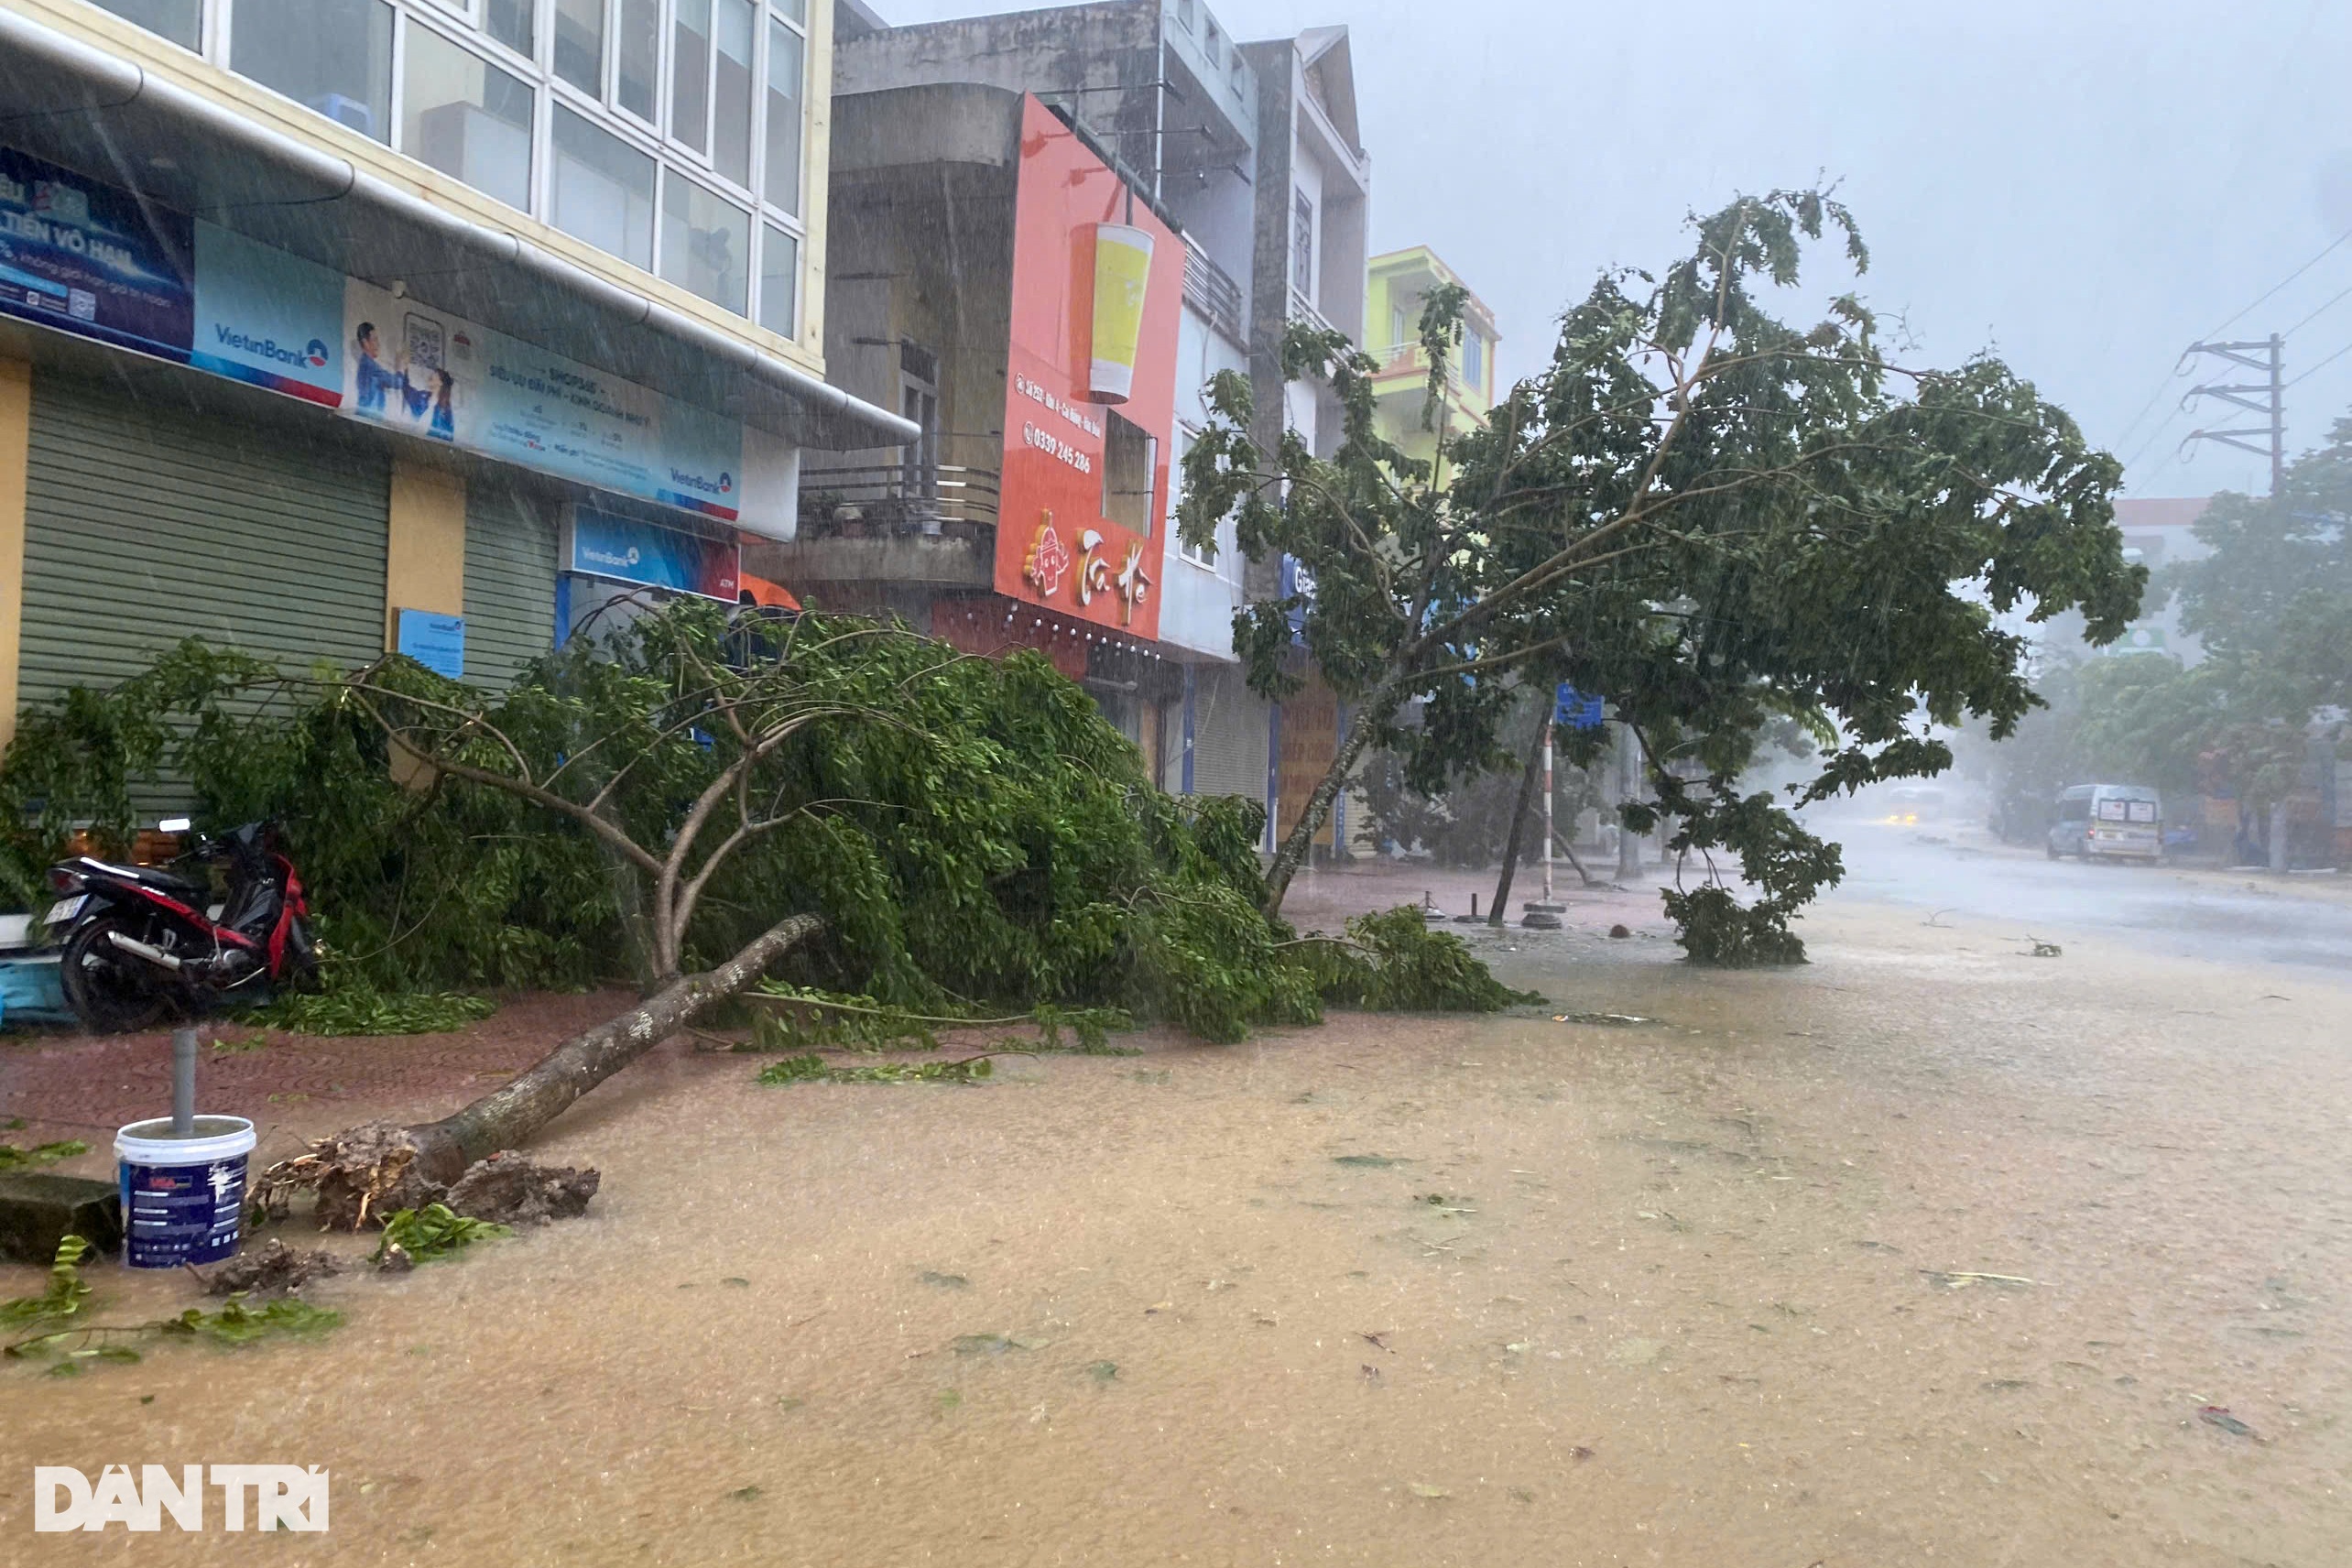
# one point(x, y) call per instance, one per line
point(293, 1087)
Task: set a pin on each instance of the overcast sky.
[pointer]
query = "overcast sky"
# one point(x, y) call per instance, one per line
point(2086, 186)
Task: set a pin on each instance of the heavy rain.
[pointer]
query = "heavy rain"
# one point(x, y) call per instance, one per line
point(899, 782)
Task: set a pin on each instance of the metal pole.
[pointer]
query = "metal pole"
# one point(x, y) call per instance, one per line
point(1547, 811)
point(2278, 419)
point(183, 1083)
point(1629, 846)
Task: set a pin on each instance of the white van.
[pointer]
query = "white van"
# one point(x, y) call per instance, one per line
point(2108, 821)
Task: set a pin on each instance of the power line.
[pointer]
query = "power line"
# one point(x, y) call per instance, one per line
point(2317, 314)
point(2264, 298)
point(2323, 363)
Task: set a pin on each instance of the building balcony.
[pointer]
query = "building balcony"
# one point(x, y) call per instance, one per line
point(1302, 311)
point(1211, 290)
point(889, 499)
point(866, 531)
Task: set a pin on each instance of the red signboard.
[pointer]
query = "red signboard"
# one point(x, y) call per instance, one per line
point(1090, 397)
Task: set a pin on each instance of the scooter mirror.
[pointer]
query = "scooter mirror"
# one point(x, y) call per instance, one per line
point(174, 825)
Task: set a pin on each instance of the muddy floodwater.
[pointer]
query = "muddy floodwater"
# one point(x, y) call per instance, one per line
point(1711, 1288)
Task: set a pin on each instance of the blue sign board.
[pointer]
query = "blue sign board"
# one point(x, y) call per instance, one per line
point(604, 545)
point(435, 641)
point(268, 318)
point(93, 260)
point(1572, 710)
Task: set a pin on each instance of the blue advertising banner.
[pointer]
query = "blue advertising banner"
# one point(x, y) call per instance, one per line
point(93, 260)
point(603, 545)
point(444, 378)
point(268, 318)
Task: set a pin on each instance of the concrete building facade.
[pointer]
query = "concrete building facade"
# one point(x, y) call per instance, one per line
point(1182, 112)
point(341, 326)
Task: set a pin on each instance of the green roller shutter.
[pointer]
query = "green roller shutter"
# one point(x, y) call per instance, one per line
point(510, 541)
point(144, 525)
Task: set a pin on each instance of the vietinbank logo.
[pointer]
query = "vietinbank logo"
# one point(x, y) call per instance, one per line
point(596, 556)
point(313, 355)
point(723, 486)
point(282, 1497)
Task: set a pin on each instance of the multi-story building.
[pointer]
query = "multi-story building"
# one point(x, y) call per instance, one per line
point(1400, 282)
point(1178, 110)
point(329, 326)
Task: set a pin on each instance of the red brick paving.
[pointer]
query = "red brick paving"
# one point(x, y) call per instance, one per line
point(302, 1087)
point(295, 1086)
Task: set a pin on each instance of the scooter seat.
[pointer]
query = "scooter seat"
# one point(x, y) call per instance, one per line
point(154, 877)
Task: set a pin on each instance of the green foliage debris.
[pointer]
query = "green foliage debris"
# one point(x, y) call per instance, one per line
point(434, 1231)
point(361, 1009)
point(237, 1323)
point(817, 1070)
point(66, 1291)
point(983, 846)
point(73, 1347)
point(14, 1159)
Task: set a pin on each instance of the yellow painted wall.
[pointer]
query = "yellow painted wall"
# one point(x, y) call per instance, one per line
point(181, 69)
point(424, 555)
point(15, 456)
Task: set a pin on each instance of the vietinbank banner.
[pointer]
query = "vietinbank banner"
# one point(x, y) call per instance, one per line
point(413, 368)
point(82, 256)
point(268, 318)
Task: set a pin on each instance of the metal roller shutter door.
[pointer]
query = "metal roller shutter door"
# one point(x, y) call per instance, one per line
point(143, 526)
point(1228, 735)
point(510, 543)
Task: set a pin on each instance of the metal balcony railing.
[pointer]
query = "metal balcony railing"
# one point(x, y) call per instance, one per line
point(1407, 359)
point(1303, 310)
point(896, 498)
point(1211, 290)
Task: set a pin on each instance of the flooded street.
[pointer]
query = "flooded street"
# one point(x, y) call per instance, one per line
point(1397, 1291)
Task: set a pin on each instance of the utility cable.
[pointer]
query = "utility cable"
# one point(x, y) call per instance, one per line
point(2322, 365)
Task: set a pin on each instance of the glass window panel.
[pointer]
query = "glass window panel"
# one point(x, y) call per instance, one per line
point(788, 73)
point(690, 75)
point(600, 189)
point(705, 243)
point(796, 9)
point(510, 23)
point(466, 117)
point(580, 44)
point(333, 55)
point(779, 282)
point(738, 24)
point(181, 21)
point(638, 47)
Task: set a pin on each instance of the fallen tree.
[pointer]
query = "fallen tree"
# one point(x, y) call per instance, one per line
point(695, 800)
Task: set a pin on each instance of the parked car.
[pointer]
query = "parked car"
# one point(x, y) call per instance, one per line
point(2108, 821)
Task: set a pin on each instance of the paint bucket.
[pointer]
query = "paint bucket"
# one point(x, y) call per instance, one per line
point(183, 1198)
point(1122, 278)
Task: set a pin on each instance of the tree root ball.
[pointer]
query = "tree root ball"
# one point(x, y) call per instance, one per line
point(510, 1189)
point(371, 1172)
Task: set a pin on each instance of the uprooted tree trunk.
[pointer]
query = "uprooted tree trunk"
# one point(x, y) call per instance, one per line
point(373, 1170)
